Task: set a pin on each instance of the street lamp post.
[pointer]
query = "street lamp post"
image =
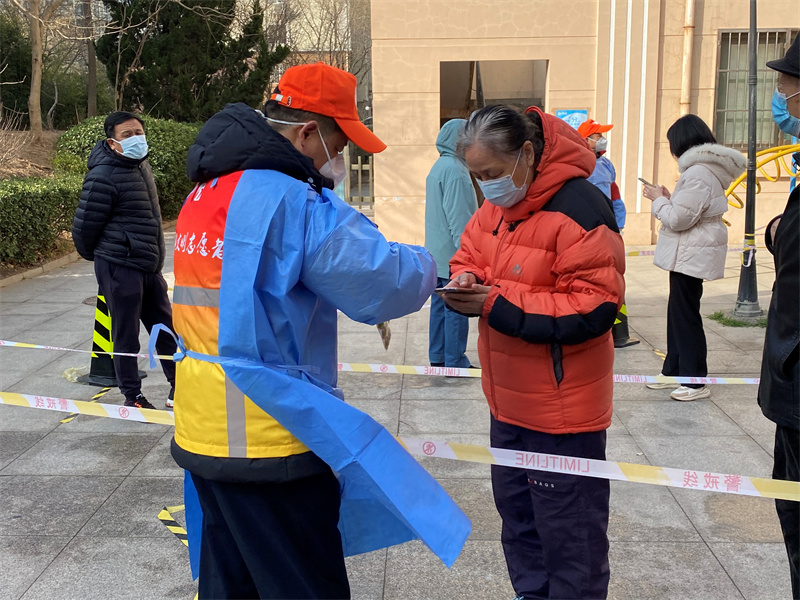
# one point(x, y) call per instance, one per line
point(747, 298)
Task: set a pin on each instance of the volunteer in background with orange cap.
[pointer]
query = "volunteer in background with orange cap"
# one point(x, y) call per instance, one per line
point(265, 255)
point(604, 178)
point(604, 175)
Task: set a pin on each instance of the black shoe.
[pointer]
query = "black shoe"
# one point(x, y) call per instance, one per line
point(140, 402)
point(437, 364)
point(170, 403)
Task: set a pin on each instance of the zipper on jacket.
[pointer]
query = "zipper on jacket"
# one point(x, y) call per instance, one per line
point(558, 367)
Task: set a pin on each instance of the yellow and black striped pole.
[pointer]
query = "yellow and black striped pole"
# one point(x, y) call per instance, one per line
point(101, 372)
point(622, 338)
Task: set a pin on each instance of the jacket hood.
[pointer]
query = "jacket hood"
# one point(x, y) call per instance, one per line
point(726, 164)
point(565, 156)
point(238, 138)
point(102, 154)
point(447, 140)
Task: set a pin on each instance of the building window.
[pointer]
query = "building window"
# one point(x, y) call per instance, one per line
point(730, 119)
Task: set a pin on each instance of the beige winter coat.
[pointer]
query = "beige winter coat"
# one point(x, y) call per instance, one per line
point(693, 240)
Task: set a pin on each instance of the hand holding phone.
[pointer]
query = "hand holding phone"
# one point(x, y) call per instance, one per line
point(644, 181)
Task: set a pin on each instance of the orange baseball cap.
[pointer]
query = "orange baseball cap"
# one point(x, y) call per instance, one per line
point(590, 126)
point(327, 91)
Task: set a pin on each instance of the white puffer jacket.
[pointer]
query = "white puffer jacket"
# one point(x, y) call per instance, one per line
point(693, 240)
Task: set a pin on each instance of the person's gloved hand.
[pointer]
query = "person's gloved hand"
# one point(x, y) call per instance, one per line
point(780, 114)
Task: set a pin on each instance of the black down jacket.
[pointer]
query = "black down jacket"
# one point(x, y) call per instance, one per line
point(779, 392)
point(118, 217)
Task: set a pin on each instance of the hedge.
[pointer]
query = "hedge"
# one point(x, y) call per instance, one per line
point(34, 211)
point(168, 141)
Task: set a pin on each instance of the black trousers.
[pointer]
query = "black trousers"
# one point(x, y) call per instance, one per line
point(133, 296)
point(554, 525)
point(686, 340)
point(787, 466)
point(271, 540)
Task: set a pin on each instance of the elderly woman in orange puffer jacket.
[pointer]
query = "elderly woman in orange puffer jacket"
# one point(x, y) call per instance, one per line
point(541, 263)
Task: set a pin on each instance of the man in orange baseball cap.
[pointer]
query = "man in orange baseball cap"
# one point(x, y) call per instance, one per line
point(259, 422)
point(604, 175)
point(604, 178)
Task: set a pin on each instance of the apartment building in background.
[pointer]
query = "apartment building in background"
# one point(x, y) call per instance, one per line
point(618, 61)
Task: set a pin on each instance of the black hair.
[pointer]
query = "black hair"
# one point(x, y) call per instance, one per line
point(115, 119)
point(503, 129)
point(275, 110)
point(687, 132)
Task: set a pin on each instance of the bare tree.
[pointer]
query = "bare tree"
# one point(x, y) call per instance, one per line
point(39, 13)
point(13, 139)
point(335, 32)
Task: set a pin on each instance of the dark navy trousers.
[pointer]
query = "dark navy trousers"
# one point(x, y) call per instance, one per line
point(554, 525)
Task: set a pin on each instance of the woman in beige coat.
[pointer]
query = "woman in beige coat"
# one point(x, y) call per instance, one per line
point(692, 244)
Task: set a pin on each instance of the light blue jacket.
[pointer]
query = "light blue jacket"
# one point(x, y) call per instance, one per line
point(602, 177)
point(450, 199)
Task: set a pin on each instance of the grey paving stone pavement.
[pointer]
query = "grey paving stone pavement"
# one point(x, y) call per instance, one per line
point(79, 500)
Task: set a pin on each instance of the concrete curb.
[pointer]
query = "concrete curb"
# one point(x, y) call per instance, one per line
point(57, 263)
point(45, 268)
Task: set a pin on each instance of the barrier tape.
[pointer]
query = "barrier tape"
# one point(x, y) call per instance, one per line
point(95, 398)
point(605, 469)
point(653, 252)
point(602, 469)
point(387, 369)
point(95, 409)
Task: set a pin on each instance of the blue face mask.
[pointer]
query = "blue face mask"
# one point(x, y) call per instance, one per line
point(780, 114)
point(501, 191)
point(134, 147)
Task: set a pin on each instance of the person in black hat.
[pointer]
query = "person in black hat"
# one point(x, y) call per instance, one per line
point(779, 391)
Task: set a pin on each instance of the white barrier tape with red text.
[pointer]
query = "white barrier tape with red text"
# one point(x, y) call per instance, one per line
point(387, 369)
point(584, 467)
point(653, 252)
point(605, 469)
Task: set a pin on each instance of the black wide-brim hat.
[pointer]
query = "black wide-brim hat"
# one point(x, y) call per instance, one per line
point(789, 64)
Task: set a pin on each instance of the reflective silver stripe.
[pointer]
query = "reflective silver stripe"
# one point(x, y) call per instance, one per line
point(237, 434)
point(195, 296)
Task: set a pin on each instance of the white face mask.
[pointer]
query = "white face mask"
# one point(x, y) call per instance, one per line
point(333, 169)
point(502, 191)
point(601, 145)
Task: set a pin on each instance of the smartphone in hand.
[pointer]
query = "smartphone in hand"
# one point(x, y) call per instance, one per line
point(442, 291)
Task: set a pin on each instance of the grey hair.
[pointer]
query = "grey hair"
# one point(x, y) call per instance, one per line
point(503, 129)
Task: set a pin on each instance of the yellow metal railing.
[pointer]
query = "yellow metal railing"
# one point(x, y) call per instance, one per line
point(777, 155)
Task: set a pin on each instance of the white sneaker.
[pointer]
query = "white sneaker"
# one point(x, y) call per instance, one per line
point(661, 385)
point(687, 394)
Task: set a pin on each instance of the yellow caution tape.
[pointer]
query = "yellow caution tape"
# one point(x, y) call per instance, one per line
point(602, 469)
point(387, 369)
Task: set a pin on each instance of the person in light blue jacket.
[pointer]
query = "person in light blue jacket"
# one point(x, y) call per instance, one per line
point(450, 202)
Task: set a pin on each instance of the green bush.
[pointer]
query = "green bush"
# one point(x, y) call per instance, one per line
point(168, 141)
point(34, 211)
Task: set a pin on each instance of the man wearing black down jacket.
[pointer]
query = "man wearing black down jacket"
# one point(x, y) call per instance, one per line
point(118, 226)
point(779, 391)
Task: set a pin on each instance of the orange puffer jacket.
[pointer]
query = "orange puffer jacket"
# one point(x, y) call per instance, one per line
point(555, 262)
